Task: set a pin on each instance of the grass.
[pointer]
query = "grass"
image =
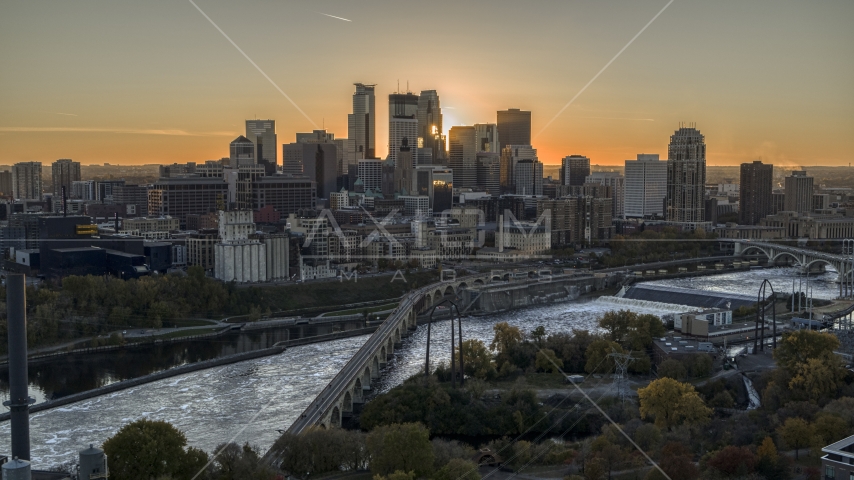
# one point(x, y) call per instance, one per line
point(353, 311)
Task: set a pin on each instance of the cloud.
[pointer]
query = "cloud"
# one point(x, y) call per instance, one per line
point(130, 131)
point(67, 114)
point(333, 16)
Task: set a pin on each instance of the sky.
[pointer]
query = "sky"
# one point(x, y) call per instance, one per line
point(155, 82)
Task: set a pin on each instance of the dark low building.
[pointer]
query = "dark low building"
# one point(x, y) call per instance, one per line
point(58, 263)
point(126, 265)
point(158, 256)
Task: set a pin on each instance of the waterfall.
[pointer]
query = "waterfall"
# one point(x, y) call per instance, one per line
point(646, 304)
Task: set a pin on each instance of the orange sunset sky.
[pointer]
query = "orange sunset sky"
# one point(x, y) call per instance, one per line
point(156, 82)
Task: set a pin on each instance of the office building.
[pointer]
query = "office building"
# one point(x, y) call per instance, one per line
point(799, 192)
point(646, 186)
point(317, 161)
point(105, 190)
point(402, 123)
point(489, 172)
point(241, 150)
point(755, 192)
point(361, 124)
point(686, 177)
point(346, 148)
point(133, 197)
point(286, 194)
point(404, 170)
point(617, 184)
point(487, 137)
point(370, 172)
point(63, 173)
point(462, 155)
point(437, 183)
point(5, 182)
point(85, 190)
point(514, 127)
point(431, 140)
point(180, 197)
point(262, 133)
point(574, 170)
point(510, 156)
point(316, 136)
point(528, 177)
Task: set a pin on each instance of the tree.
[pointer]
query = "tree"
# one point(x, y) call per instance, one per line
point(598, 360)
point(797, 433)
point(819, 377)
point(397, 475)
point(795, 348)
point(405, 447)
point(239, 463)
point(617, 324)
point(844, 407)
point(732, 460)
point(647, 436)
point(539, 334)
point(672, 403)
point(506, 338)
point(672, 368)
point(458, 469)
point(642, 330)
point(767, 449)
point(548, 361)
point(150, 449)
point(478, 360)
point(829, 428)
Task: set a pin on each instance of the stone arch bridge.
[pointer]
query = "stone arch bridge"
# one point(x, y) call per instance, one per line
point(351, 384)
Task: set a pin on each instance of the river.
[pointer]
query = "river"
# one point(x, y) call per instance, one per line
point(249, 401)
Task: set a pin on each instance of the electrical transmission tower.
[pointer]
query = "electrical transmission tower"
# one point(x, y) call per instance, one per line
point(621, 363)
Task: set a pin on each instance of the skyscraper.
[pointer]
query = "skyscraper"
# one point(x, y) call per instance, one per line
point(319, 162)
point(489, 172)
point(574, 170)
point(263, 134)
point(371, 174)
point(510, 156)
point(402, 123)
point(514, 127)
point(755, 190)
point(462, 156)
point(617, 183)
point(646, 186)
point(430, 137)
point(361, 124)
point(241, 150)
point(528, 177)
point(63, 173)
point(487, 137)
point(686, 177)
point(27, 180)
point(799, 192)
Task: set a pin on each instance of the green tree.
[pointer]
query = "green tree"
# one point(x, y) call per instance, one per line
point(797, 433)
point(547, 361)
point(405, 447)
point(672, 368)
point(458, 469)
point(239, 463)
point(642, 330)
point(598, 360)
point(796, 348)
point(617, 324)
point(732, 461)
point(672, 403)
point(829, 428)
point(539, 334)
point(478, 360)
point(150, 449)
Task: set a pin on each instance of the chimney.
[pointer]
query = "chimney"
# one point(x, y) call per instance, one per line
point(19, 399)
point(64, 203)
point(116, 220)
point(500, 233)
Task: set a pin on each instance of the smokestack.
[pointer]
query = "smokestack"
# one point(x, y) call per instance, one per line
point(19, 399)
point(116, 219)
point(500, 233)
point(64, 203)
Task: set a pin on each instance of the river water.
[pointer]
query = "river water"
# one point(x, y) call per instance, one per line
point(249, 401)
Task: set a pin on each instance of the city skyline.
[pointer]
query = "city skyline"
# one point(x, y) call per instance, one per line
point(758, 85)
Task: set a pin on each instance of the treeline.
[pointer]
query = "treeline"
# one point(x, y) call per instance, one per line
point(88, 306)
point(650, 246)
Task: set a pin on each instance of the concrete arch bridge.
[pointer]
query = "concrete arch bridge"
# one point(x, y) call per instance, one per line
point(810, 261)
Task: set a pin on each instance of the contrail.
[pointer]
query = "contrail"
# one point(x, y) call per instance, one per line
point(333, 16)
point(603, 68)
point(253, 63)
